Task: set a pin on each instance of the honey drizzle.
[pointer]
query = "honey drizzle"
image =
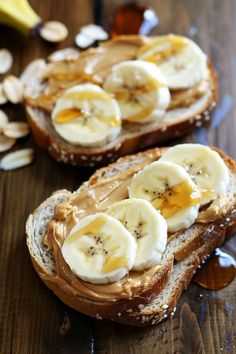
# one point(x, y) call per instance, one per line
point(92, 228)
point(176, 44)
point(207, 193)
point(70, 114)
point(78, 76)
point(218, 272)
point(87, 95)
point(149, 86)
point(179, 196)
point(112, 263)
point(67, 115)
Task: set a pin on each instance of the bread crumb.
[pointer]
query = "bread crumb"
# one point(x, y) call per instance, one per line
point(141, 306)
point(163, 129)
point(65, 325)
point(98, 317)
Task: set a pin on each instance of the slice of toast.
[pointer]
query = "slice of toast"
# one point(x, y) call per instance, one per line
point(184, 253)
point(134, 137)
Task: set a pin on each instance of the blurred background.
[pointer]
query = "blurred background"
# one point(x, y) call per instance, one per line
point(32, 319)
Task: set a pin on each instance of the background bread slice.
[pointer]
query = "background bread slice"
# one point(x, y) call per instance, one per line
point(187, 250)
point(134, 137)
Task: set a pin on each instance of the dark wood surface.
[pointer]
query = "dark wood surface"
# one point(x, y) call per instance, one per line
point(32, 319)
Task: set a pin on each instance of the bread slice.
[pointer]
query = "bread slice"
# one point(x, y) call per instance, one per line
point(134, 137)
point(43, 261)
point(184, 253)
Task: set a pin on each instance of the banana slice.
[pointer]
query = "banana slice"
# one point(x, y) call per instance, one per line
point(99, 249)
point(86, 115)
point(180, 60)
point(147, 226)
point(205, 167)
point(140, 90)
point(170, 190)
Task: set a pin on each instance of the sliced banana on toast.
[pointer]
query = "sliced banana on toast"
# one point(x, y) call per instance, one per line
point(140, 89)
point(165, 196)
point(204, 165)
point(181, 61)
point(87, 115)
point(147, 226)
point(99, 249)
point(169, 188)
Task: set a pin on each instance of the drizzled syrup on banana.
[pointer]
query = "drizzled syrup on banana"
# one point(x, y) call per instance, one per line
point(113, 263)
point(92, 230)
point(87, 95)
point(67, 115)
point(73, 76)
point(175, 198)
point(70, 114)
point(171, 46)
point(128, 94)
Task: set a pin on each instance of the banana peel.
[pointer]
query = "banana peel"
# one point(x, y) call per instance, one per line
point(20, 15)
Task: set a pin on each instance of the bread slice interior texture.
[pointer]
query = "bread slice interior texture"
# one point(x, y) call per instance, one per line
point(185, 251)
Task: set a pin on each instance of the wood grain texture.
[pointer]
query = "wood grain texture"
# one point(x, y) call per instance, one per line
point(32, 319)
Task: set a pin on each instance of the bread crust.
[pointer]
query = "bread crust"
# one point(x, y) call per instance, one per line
point(128, 142)
point(216, 238)
point(140, 311)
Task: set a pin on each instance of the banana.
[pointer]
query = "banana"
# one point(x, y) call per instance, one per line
point(19, 14)
point(85, 114)
point(170, 190)
point(99, 249)
point(140, 90)
point(180, 60)
point(205, 167)
point(147, 226)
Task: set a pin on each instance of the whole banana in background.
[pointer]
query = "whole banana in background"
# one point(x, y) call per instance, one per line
point(20, 15)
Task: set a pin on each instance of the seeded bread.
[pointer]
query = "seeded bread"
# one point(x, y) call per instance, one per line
point(184, 253)
point(134, 137)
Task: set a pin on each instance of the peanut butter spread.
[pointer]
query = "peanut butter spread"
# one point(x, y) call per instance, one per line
point(94, 64)
point(101, 192)
point(95, 198)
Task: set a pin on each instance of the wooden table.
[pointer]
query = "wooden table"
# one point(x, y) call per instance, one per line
point(33, 320)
